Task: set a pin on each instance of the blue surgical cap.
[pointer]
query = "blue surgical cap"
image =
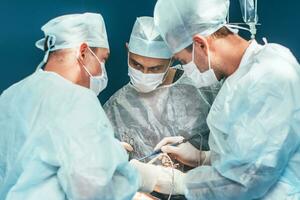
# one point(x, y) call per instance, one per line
point(146, 41)
point(179, 20)
point(69, 31)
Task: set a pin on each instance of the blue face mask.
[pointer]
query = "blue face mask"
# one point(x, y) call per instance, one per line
point(145, 83)
point(200, 79)
point(97, 83)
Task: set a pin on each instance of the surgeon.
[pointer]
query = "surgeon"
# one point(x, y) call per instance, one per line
point(160, 100)
point(254, 121)
point(56, 141)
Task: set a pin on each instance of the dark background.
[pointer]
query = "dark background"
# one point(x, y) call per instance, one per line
point(21, 22)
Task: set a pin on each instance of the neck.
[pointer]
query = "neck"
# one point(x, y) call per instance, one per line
point(230, 50)
point(66, 69)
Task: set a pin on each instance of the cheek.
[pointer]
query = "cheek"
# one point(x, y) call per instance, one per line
point(96, 68)
point(203, 64)
point(187, 57)
point(201, 58)
point(184, 58)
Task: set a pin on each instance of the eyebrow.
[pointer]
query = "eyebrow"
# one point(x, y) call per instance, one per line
point(135, 62)
point(157, 66)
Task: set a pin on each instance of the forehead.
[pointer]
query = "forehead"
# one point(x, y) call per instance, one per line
point(182, 54)
point(147, 61)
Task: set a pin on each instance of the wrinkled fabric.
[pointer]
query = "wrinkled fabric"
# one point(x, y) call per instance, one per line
point(255, 131)
point(89, 28)
point(59, 33)
point(179, 20)
point(143, 120)
point(145, 40)
point(57, 144)
point(145, 83)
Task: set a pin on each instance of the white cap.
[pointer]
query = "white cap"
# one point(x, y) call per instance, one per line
point(69, 31)
point(179, 20)
point(146, 41)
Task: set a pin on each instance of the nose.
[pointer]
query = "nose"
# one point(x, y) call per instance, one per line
point(102, 66)
point(145, 71)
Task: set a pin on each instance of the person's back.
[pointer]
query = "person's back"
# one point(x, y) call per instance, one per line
point(262, 94)
point(36, 118)
point(56, 141)
point(254, 120)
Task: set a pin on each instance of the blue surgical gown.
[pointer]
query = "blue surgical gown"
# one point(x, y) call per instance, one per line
point(56, 143)
point(142, 120)
point(255, 131)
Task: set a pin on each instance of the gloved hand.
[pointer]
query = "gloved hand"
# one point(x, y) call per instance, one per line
point(158, 178)
point(164, 183)
point(127, 146)
point(184, 153)
point(142, 196)
point(148, 175)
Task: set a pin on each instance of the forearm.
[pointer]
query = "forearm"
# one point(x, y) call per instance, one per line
point(207, 183)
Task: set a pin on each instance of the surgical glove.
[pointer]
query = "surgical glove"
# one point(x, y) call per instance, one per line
point(148, 175)
point(165, 183)
point(158, 178)
point(127, 146)
point(185, 153)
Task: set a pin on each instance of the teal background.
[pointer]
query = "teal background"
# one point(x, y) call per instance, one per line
point(21, 22)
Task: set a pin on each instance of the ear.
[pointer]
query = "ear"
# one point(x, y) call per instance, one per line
point(200, 41)
point(82, 51)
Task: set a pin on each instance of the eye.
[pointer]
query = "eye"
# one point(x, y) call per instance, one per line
point(155, 69)
point(182, 62)
point(134, 63)
point(138, 66)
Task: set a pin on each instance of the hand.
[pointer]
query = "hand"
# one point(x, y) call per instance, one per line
point(165, 180)
point(158, 178)
point(148, 175)
point(184, 153)
point(127, 146)
point(143, 196)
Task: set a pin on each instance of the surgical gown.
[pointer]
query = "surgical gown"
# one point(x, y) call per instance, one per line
point(57, 144)
point(255, 131)
point(144, 119)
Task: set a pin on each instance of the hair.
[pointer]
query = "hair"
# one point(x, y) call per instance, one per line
point(189, 48)
point(62, 52)
point(221, 33)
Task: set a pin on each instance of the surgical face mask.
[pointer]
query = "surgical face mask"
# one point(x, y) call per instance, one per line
point(145, 82)
point(97, 83)
point(200, 79)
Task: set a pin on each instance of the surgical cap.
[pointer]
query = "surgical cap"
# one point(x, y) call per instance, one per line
point(69, 31)
point(145, 40)
point(179, 20)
